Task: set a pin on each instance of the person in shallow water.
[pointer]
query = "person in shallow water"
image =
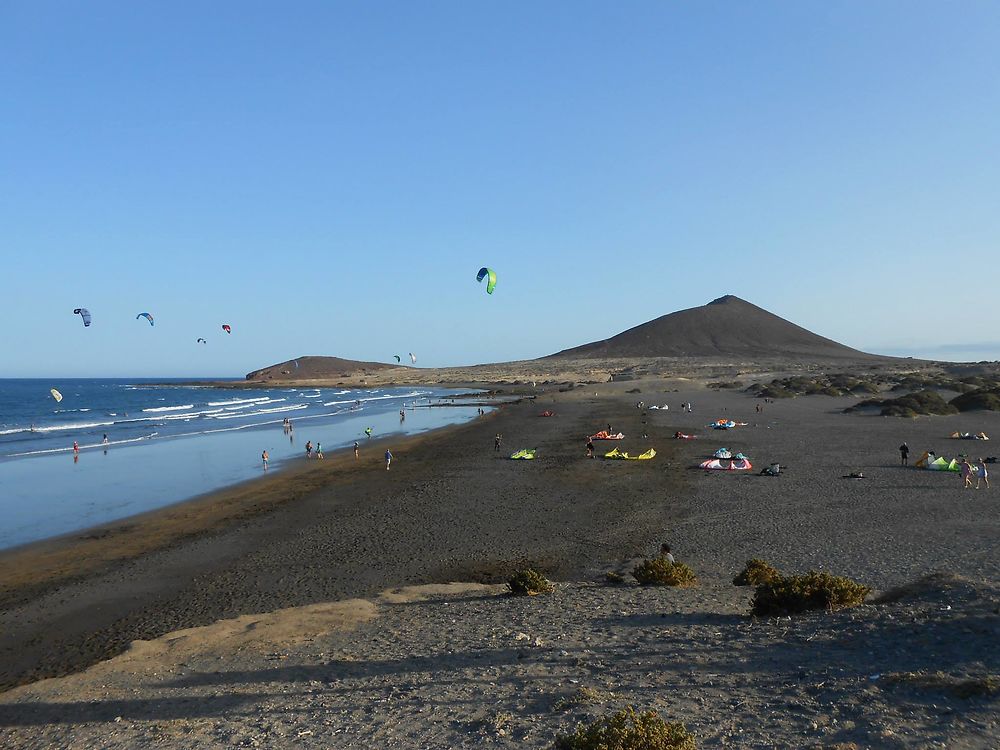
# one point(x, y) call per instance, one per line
point(264, 458)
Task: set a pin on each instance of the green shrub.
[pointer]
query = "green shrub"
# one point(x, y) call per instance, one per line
point(756, 572)
point(988, 400)
point(614, 579)
point(793, 594)
point(628, 730)
point(661, 572)
point(528, 583)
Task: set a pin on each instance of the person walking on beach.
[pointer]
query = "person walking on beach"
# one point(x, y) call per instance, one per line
point(965, 468)
point(319, 449)
point(309, 448)
point(264, 457)
point(904, 452)
point(357, 454)
point(104, 440)
point(590, 448)
point(388, 458)
point(496, 442)
point(981, 474)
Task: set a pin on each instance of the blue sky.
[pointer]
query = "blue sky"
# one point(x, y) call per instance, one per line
point(328, 177)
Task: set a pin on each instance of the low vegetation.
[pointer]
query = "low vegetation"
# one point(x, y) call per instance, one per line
point(825, 385)
point(614, 579)
point(789, 595)
point(629, 730)
point(661, 572)
point(921, 403)
point(985, 400)
point(756, 572)
point(946, 684)
point(528, 582)
point(584, 696)
point(726, 384)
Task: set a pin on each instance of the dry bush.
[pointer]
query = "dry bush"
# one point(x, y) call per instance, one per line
point(756, 572)
point(629, 730)
point(661, 572)
point(528, 582)
point(790, 595)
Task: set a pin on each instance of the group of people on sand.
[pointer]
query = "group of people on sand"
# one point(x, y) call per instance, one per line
point(965, 469)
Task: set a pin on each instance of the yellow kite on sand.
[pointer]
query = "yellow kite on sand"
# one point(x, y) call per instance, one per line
point(626, 457)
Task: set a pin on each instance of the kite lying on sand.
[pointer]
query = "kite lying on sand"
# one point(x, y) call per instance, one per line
point(682, 436)
point(525, 453)
point(603, 435)
point(714, 464)
point(626, 457)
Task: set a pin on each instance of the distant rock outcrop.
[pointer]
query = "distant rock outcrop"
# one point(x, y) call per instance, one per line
point(726, 327)
point(317, 368)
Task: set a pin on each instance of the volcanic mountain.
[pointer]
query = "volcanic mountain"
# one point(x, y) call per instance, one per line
point(725, 327)
point(316, 368)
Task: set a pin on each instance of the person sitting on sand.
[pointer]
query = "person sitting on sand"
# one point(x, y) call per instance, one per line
point(981, 474)
point(665, 552)
point(965, 469)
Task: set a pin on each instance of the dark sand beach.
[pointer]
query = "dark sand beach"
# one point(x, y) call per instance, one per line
point(464, 666)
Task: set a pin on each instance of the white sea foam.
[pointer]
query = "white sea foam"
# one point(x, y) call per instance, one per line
point(275, 410)
point(238, 401)
point(169, 408)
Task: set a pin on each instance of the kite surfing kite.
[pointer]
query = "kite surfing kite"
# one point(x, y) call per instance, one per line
point(84, 313)
point(487, 273)
point(413, 358)
point(201, 341)
point(56, 395)
point(147, 316)
point(226, 328)
point(397, 357)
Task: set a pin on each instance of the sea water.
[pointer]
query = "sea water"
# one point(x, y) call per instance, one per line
point(142, 445)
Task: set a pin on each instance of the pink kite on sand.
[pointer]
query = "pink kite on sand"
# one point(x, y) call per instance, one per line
point(603, 435)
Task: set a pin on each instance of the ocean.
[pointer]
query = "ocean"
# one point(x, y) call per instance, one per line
point(141, 445)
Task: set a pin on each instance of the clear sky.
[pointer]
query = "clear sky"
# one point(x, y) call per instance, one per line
point(327, 177)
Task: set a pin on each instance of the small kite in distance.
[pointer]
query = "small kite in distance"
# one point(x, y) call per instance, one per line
point(146, 315)
point(84, 313)
point(201, 341)
point(226, 328)
point(397, 357)
point(413, 358)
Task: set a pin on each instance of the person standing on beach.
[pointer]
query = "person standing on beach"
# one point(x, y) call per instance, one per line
point(319, 449)
point(264, 457)
point(388, 458)
point(76, 447)
point(904, 452)
point(590, 448)
point(104, 440)
point(309, 448)
point(965, 468)
point(357, 453)
point(981, 474)
point(496, 442)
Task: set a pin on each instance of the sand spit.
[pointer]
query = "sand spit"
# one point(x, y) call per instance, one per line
point(465, 666)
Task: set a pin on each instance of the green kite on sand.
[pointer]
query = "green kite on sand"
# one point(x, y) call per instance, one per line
point(524, 453)
point(626, 457)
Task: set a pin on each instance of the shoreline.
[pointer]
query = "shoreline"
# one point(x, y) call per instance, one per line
point(35, 566)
